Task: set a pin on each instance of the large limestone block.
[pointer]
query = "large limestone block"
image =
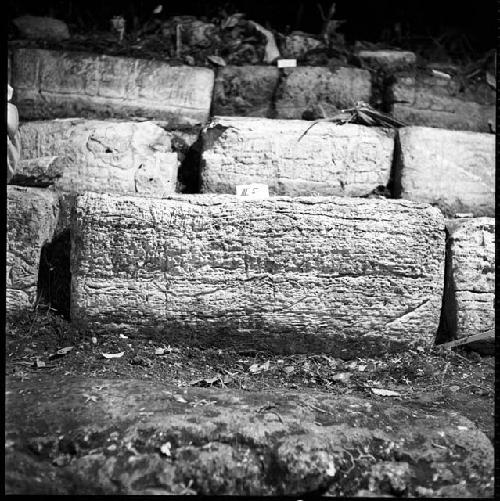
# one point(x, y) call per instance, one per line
point(245, 91)
point(452, 169)
point(470, 288)
point(307, 90)
point(433, 101)
point(54, 84)
point(330, 159)
point(32, 221)
point(98, 155)
point(286, 274)
point(38, 27)
point(387, 60)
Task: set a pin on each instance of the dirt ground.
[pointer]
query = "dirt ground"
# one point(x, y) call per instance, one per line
point(458, 381)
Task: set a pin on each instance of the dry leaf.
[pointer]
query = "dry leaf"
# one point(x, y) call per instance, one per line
point(271, 51)
point(342, 376)
point(113, 355)
point(331, 470)
point(385, 393)
point(61, 352)
point(231, 21)
point(217, 60)
point(490, 80)
point(165, 449)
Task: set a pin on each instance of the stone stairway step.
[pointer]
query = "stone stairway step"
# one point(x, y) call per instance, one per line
point(56, 84)
point(245, 91)
point(33, 221)
point(312, 88)
point(303, 274)
point(453, 169)
point(131, 436)
point(262, 91)
point(98, 155)
point(470, 292)
point(436, 101)
point(330, 159)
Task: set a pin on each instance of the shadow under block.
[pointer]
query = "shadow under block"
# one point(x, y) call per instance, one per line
point(286, 274)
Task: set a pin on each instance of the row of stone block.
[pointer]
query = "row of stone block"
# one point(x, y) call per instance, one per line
point(453, 169)
point(288, 274)
point(53, 84)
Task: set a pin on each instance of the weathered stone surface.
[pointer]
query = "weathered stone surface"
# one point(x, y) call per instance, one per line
point(297, 44)
point(330, 159)
point(434, 101)
point(112, 436)
point(53, 84)
point(32, 221)
point(307, 88)
point(389, 60)
point(454, 170)
point(287, 274)
point(245, 91)
point(470, 282)
point(98, 155)
point(46, 28)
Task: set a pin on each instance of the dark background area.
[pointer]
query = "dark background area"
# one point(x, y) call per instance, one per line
point(474, 23)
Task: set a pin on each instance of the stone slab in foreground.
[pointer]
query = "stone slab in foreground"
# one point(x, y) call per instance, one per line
point(330, 159)
point(98, 155)
point(113, 436)
point(452, 169)
point(56, 84)
point(290, 275)
point(470, 285)
point(33, 216)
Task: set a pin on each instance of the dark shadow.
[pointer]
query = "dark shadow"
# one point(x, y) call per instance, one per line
point(394, 185)
point(54, 275)
point(448, 322)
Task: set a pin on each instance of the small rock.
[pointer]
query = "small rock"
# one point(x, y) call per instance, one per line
point(298, 44)
point(137, 360)
point(46, 28)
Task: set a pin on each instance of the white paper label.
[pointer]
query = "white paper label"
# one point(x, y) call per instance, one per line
point(253, 191)
point(287, 63)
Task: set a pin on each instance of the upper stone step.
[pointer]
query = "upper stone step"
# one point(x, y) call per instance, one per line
point(54, 84)
point(98, 155)
point(329, 159)
point(438, 101)
point(286, 274)
point(302, 92)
